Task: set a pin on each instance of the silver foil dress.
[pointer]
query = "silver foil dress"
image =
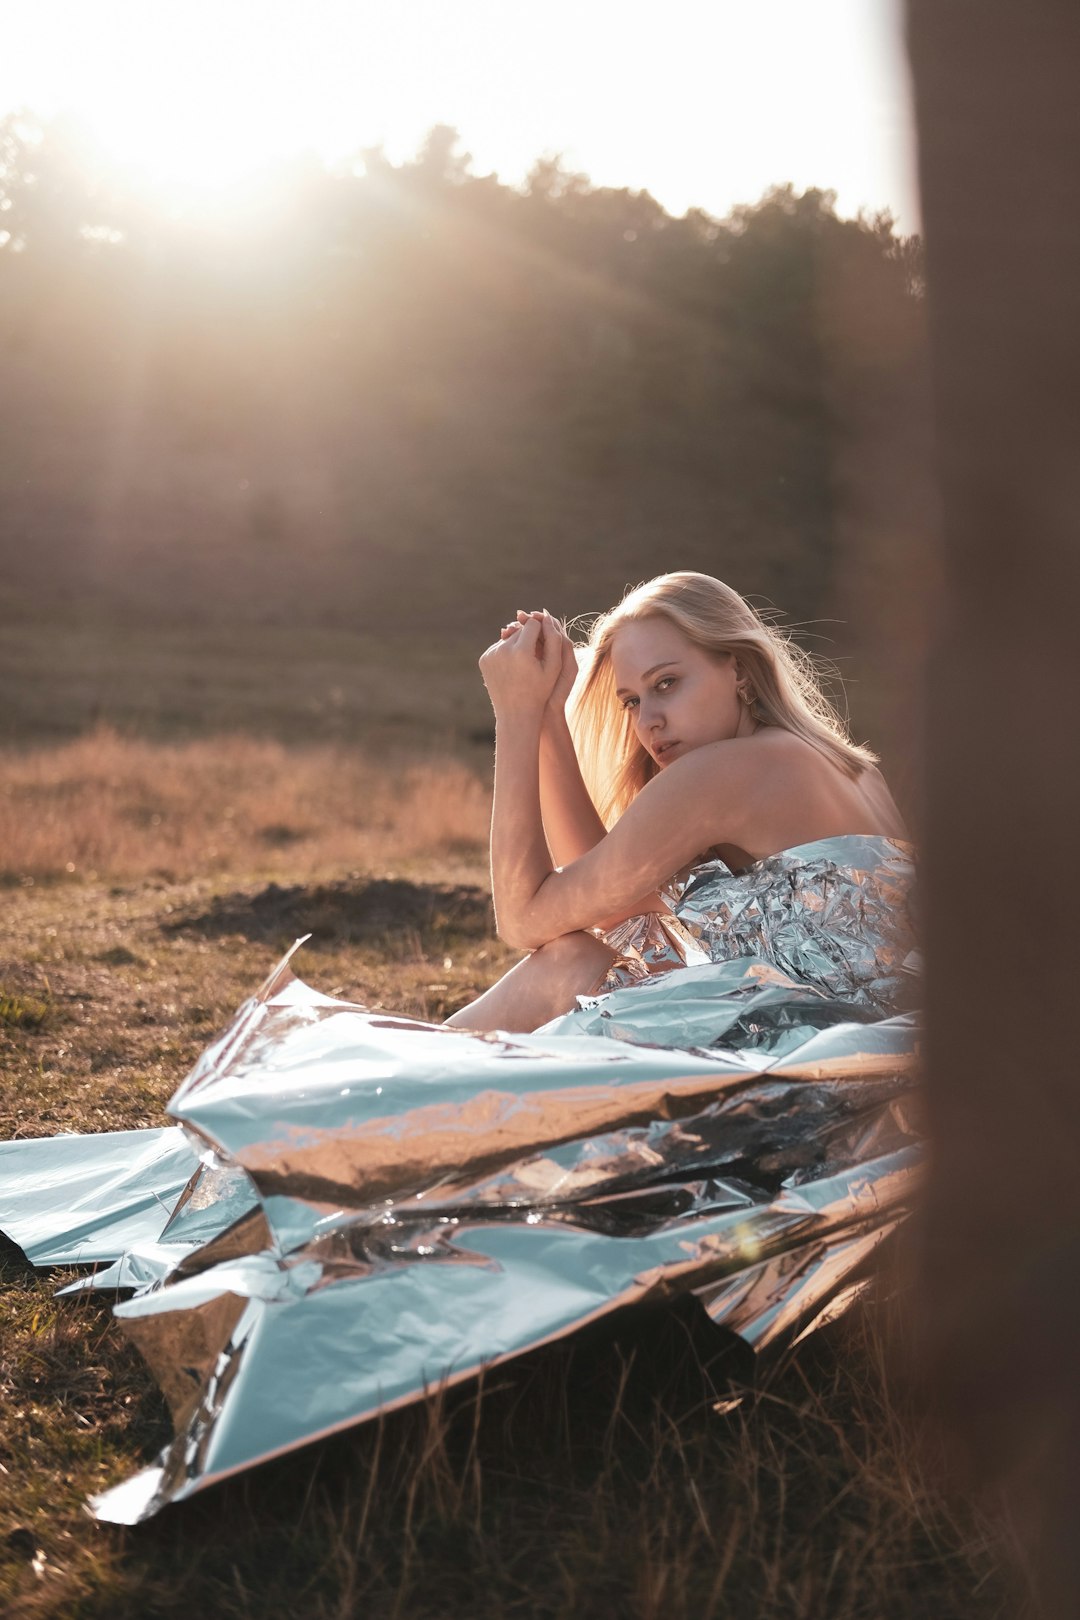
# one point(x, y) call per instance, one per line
point(353, 1209)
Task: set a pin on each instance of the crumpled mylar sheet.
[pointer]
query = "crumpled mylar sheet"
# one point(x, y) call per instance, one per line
point(354, 1209)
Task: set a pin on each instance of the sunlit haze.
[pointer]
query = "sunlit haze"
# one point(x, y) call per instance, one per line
point(702, 102)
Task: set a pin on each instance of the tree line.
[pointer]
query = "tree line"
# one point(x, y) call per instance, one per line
point(372, 392)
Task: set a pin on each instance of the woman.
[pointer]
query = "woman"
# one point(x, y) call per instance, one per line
point(375, 1206)
point(701, 729)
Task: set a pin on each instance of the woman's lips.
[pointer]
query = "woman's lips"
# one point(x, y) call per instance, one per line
point(662, 751)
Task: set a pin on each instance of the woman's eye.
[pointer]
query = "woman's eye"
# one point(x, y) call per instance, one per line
point(628, 703)
point(665, 680)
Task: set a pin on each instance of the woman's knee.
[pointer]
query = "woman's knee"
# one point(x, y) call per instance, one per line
point(575, 955)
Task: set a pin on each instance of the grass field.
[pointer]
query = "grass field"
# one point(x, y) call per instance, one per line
point(148, 888)
point(61, 678)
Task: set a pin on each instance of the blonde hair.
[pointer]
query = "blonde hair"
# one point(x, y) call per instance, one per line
point(784, 679)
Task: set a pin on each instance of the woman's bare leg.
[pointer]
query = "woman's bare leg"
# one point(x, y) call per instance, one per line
point(540, 987)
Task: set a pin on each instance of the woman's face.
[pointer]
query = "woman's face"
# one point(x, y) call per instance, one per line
point(679, 696)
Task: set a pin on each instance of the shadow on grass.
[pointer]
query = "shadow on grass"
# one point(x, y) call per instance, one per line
point(379, 911)
point(15, 1268)
point(595, 1477)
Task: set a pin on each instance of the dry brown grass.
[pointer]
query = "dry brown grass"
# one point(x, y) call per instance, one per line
point(591, 1479)
point(108, 806)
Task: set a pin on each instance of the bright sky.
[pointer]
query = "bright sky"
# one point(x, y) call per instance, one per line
point(701, 102)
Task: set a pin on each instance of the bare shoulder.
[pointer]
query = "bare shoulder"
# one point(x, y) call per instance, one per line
point(811, 789)
point(731, 789)
point(786, 749)
point(771, 756)
point(775, 790)
point(788, 769)
point(735, 757)
point(740, 762)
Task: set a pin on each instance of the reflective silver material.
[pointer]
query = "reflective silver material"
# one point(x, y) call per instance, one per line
point(818, 912)
point(380, 1205)
point(78, 1200)
point(654, 942)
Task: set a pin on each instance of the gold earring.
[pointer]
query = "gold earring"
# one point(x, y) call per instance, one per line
point(747, 695)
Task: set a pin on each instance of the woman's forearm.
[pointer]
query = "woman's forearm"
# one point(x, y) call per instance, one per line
point(571, 822)
point(519, 675)
point(520, 859)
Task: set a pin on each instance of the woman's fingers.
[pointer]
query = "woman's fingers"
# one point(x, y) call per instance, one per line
point(548, 631)
point(553, 627)
point(532, 635)
point(534, 617)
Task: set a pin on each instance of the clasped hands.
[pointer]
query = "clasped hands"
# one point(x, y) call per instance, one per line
point(531, 668)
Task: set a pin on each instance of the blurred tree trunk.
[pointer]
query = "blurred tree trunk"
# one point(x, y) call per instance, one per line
point(997, 90)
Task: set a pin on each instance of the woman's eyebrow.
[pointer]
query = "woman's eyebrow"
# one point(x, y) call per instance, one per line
point(666, 664)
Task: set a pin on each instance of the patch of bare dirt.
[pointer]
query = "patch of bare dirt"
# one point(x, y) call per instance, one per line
point(346, 912)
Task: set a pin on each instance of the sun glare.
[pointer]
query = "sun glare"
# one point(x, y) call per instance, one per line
point(227, 144)
point(192, 124)
point(202, 95)
point(197, 98)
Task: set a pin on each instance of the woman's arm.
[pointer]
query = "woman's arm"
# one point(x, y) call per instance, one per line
point(571, 821)
point(570, 818)
point(712, 795)
point(572, 825)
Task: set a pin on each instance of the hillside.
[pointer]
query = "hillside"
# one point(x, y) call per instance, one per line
point(371, 413)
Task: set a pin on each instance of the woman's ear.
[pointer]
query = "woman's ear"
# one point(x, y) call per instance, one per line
point(744, 681)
